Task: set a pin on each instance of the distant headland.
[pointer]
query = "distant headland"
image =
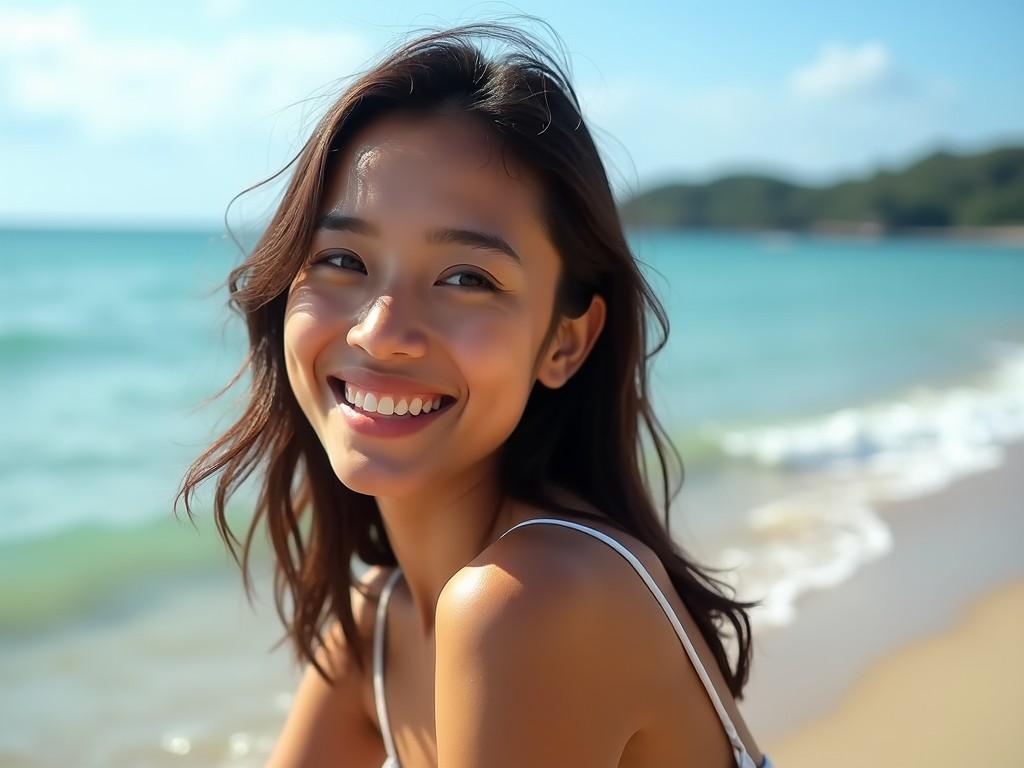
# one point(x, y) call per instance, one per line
point(979, 194)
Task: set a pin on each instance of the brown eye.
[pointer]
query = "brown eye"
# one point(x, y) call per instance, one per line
point(476, 281)
point(341, 258)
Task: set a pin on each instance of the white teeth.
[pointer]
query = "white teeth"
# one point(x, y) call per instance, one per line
point(388, 405)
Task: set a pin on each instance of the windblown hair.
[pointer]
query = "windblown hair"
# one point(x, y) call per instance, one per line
point(586, 436)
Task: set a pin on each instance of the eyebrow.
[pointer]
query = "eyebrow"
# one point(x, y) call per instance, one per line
point(337, 222)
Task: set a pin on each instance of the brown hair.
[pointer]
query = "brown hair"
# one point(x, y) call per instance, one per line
point(567, 436)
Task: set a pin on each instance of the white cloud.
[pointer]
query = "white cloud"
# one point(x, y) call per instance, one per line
point(157, 127)
point(834, 116)
point(55, 66)
point(22, 32)
point(842, 70)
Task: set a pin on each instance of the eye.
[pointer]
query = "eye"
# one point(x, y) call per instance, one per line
point(346, 260)
point(476, 281)
point(338, 258)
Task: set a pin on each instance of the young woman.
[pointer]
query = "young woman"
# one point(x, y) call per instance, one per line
point(449, 379)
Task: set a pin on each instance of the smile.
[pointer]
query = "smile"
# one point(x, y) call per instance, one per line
point(386, 415)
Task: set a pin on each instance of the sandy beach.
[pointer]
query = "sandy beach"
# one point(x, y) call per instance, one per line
point(915, 660)
point(954, 699)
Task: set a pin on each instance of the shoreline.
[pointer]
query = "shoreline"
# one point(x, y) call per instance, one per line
point(949, 700)
point(1009, 235)
point(951, 549)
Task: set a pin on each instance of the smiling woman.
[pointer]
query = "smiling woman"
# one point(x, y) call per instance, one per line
point(448, 342)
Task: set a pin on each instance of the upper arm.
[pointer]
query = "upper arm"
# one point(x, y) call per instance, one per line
point(525, 671)
point(329, 726)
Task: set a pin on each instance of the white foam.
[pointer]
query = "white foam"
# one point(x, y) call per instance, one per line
point(961, 427)
point(854, 460)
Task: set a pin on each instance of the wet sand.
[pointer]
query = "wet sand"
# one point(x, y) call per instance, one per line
point(951, 550)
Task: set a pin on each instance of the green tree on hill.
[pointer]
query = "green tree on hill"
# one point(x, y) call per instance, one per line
point(940, 190)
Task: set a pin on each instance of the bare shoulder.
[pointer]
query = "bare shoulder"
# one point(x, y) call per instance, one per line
point(567, 579)
point(329, 722)
point(569, 569)
point(533, 564)
point(529, 636)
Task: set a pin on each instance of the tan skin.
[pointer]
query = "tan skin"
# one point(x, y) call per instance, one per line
point(521, 631)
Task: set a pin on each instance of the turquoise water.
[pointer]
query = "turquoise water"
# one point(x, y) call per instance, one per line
point(768, 328)
point(782, 351)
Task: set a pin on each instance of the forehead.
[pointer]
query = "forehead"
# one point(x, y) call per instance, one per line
point(450, 165)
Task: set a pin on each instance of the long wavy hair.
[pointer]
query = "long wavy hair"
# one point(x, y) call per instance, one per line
point(587, 436)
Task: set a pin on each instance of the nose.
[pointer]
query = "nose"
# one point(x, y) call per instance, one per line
point(386, 330)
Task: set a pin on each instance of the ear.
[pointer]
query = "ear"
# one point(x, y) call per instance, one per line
point(570, 344)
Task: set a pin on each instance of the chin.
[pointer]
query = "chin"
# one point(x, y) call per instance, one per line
point(374, 476)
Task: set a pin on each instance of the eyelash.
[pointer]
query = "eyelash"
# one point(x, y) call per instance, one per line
point(487, 286)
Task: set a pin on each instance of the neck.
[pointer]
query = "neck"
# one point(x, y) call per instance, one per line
point(437, 532)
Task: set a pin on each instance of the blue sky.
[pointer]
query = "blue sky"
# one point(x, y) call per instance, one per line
point(141, 113)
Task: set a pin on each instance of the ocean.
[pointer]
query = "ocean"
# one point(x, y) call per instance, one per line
point(806, 380)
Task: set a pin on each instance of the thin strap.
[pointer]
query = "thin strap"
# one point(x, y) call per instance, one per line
point(743, 758)
point(379, 630)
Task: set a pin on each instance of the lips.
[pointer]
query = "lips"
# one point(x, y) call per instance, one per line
point(387, 383)
point(377, 425)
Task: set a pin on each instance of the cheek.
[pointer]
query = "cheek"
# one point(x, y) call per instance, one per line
point(306, 330)
point(486, 339)
point(495, 355)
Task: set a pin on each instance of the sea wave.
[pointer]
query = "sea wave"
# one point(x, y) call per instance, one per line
point(855, 460)
point(68, 573)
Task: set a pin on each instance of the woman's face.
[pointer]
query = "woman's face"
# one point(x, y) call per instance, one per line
point(395, 285)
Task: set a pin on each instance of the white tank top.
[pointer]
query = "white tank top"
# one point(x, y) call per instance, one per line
point(743, 758)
